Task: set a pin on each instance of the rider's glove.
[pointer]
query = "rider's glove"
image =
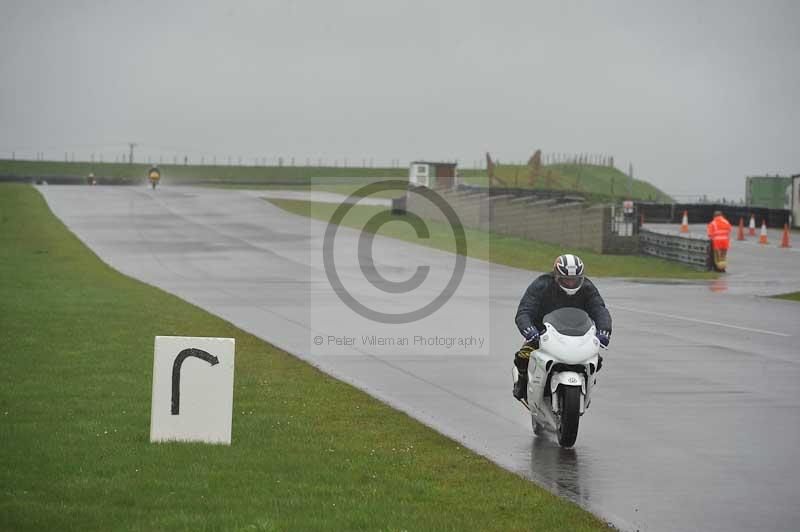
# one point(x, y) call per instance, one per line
point(604, 337)
point(531, 335)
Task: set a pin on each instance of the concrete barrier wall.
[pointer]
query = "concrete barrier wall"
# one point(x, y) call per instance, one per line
point(572, 225)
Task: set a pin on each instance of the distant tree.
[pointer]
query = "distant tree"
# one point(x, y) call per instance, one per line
point(490, 171)
point(535, 166)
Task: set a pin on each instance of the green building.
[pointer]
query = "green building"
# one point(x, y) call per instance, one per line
point(766, 191)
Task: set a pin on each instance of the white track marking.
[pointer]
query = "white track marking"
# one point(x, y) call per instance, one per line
point(707, 322)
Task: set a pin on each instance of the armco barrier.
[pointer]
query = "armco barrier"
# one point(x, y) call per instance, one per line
point(692, 251)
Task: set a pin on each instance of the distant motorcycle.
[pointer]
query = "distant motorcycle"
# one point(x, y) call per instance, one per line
point(154, 174)
point(562, 373)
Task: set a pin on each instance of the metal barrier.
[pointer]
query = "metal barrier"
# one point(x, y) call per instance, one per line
point(693, 251)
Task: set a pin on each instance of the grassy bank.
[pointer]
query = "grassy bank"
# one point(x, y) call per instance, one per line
point(597, 182)
point(793, 296)
point(511, 251)
point(76, 362)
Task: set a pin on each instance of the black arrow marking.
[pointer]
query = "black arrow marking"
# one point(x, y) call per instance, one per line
point(176, 373)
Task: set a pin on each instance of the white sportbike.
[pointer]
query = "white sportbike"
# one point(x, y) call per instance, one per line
point(562, 373)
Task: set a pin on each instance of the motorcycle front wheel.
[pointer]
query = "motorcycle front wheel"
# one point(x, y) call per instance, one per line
point(570, 402)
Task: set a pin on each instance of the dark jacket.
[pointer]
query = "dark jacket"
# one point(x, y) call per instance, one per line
point(544, 296)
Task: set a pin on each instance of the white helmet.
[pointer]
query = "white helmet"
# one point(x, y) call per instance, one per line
point(568, 273)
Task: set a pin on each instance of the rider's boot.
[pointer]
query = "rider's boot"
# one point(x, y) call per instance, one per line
point(520, 374)
point(520, 385)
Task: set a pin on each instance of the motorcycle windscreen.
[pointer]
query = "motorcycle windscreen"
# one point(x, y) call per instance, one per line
point(569, 321)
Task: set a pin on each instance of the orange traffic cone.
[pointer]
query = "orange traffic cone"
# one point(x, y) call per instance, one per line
point(752, 229)
point(762, 239)
point(741, 229)
point(785, 239)
point(685, 222)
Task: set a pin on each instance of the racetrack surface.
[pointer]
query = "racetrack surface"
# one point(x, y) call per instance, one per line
point(693, 426)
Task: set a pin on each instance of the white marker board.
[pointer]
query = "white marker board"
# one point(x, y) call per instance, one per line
point(192, 389)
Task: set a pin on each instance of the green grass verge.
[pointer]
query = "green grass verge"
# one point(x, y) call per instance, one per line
point(309, 452)
point(343, 189)
point(793, 296)
point(508, 250)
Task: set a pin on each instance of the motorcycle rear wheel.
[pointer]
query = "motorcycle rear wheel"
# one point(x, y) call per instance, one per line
point(570, 402)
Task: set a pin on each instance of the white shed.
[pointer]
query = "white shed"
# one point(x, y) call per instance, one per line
point(433, 174)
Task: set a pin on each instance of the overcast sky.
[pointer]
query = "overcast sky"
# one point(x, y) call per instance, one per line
point(696, 95)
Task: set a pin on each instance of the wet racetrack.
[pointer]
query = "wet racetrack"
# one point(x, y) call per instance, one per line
point(694, 425)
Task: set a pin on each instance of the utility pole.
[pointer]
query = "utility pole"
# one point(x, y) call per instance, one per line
point(630, 180)
point(132, 145)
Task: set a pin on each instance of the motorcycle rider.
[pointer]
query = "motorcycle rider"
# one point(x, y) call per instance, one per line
point(154, 175)
point(565, 286)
